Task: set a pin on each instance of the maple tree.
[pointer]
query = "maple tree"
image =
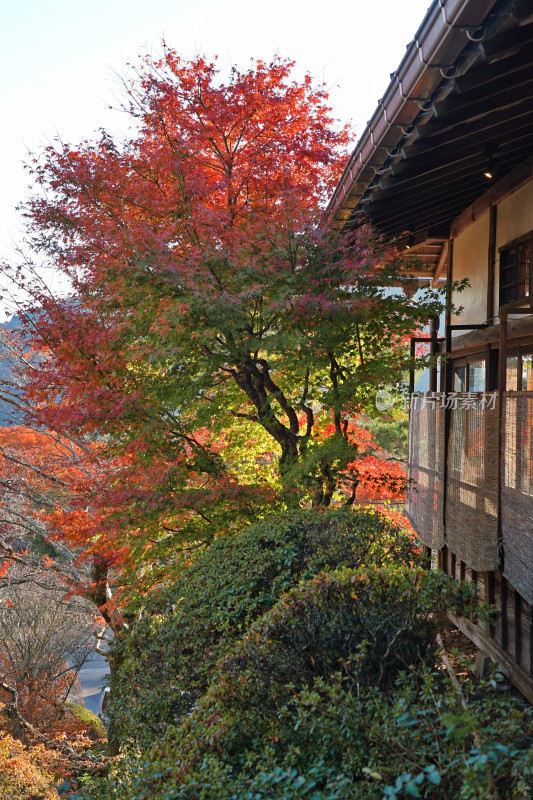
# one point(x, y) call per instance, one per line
point(64, 506)
point(209, 303)
point(70, 572)
point(217, 341)
point(39, 471)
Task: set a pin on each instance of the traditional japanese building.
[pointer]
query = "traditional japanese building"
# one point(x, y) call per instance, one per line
point(446, 165)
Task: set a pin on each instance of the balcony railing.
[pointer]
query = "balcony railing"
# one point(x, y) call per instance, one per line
point(471, 480)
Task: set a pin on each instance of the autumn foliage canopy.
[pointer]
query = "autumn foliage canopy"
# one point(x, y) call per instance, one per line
point(218, 339)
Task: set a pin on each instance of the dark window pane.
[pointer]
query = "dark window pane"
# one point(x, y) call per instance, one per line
point(459, 379)
point(515, 270)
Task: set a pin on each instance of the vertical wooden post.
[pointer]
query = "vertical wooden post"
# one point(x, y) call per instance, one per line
point(492, 261)
point(502, 385)
point(434, 332)
point(447, 380)
point(517, 627)
point(443, 559)
point(505, 626)
point(491, 596)
point(412, 368)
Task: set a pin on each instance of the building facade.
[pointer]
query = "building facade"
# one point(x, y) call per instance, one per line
point(445, 166)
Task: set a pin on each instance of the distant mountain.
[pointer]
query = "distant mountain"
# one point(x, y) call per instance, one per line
point(8, 413)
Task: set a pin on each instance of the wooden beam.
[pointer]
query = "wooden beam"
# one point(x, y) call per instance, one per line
point(464, 145)
point(446, 148)
point(519, 176)
point(458, 111)
point(441, 193)
point(439, 269)
point(509, 69)
point(491, 334)
point(424, 185)
point(514, 672)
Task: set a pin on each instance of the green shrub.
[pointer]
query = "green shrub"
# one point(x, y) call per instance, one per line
point(169, 658)
point(273, 722)
point(414, 741)
point(89, 787)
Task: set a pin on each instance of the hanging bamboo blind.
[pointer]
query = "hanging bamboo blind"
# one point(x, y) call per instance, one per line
point(517, 491)
point(471, 496)
point(425, 469)
point(471, 524)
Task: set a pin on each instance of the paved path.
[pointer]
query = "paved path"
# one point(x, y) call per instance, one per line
point(92, 681)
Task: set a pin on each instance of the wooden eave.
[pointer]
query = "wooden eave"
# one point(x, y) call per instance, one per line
point(461, 103)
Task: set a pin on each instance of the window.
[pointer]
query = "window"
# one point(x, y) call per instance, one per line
point(476, 376)
point(518, 431)
point(511, 375)
point(459, 378)
point(469, 377)
point(519, 373)
point(515, 269)
point(527, 372)
point(468, 423)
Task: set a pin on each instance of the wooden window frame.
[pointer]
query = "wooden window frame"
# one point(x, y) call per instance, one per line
point(519, 352)
point(519, 289)
point(465, 361)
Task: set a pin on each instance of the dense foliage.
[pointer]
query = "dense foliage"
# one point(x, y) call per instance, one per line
point(207, 370)
point(217, 338)
point(34, 768)
point(168, 659)
point(25, 773)
point(315, 702)
point(330, 743)
point(268, 672)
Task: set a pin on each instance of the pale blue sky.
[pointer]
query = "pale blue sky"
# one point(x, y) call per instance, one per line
point(57, 59)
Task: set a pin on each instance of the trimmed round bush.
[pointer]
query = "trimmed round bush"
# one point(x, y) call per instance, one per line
point(337, 636)
point(330, 743)
point(168, 660)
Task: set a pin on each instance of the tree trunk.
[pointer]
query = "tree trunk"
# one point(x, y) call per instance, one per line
point(113, 740)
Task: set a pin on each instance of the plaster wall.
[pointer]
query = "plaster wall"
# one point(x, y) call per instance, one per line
point(515, 218)
point(515, 215)
point(470, 260)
